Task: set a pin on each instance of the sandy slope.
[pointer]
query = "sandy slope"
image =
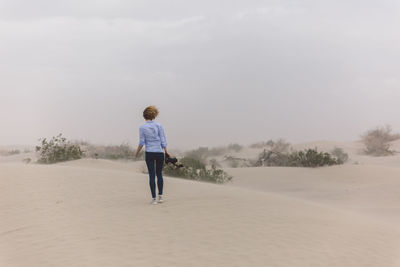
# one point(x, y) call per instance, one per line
point(369, 190)
point(97, 213)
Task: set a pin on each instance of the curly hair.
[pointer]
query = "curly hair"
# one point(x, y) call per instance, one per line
point(150, 113)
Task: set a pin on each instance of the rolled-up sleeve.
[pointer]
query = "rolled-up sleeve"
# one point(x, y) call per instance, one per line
point(141, 137)
point(162, 137)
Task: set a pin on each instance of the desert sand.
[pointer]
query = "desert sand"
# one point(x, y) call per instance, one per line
point(97, 213)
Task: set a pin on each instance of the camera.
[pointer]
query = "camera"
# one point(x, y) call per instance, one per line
point(173, 161)
point(168, 159)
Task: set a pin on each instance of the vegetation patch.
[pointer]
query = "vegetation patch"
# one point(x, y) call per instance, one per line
point(279, 154)
point(195, 169)
point(57, 149)
point(340, 155)
point(377, 142)
point(312, 158)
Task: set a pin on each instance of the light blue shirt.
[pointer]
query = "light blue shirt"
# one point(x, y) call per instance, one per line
point(152, 136)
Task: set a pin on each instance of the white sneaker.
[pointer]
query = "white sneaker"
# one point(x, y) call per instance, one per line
point(154, 201)
point(160, 199)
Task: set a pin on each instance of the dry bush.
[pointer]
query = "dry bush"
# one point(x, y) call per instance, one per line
point(57, 149)
point(340, 155)
point(378, 141)
point(279, 153)
point(276, 153)
point(279, 146)
point(306, 158)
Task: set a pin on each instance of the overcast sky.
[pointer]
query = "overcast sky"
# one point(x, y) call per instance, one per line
point(219, 71)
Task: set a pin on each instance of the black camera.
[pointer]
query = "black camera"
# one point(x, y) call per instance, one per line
point(173, 161)
point(168, 159)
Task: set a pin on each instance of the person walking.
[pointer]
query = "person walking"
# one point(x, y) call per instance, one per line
point(152, 136)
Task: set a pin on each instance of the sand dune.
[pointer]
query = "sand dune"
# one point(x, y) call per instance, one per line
point(97, 213)
point(368, 190)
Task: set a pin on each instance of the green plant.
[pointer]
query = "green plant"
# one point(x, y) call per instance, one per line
point(312, 158)
point(58, 149)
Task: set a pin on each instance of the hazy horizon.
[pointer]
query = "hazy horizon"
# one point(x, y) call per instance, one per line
point(219, 72)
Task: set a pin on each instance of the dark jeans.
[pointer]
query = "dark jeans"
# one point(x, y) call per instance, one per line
point(158, 158)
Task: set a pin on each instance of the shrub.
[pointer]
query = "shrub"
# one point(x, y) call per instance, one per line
point(58, 149)
point(306, 158)
point(276, 154)
point(272, 158)
point(195, 169)
point(340, 155)
point(378, 141)
point(312, 158)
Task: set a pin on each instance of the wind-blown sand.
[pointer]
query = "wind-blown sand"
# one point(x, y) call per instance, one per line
point(97, 213)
